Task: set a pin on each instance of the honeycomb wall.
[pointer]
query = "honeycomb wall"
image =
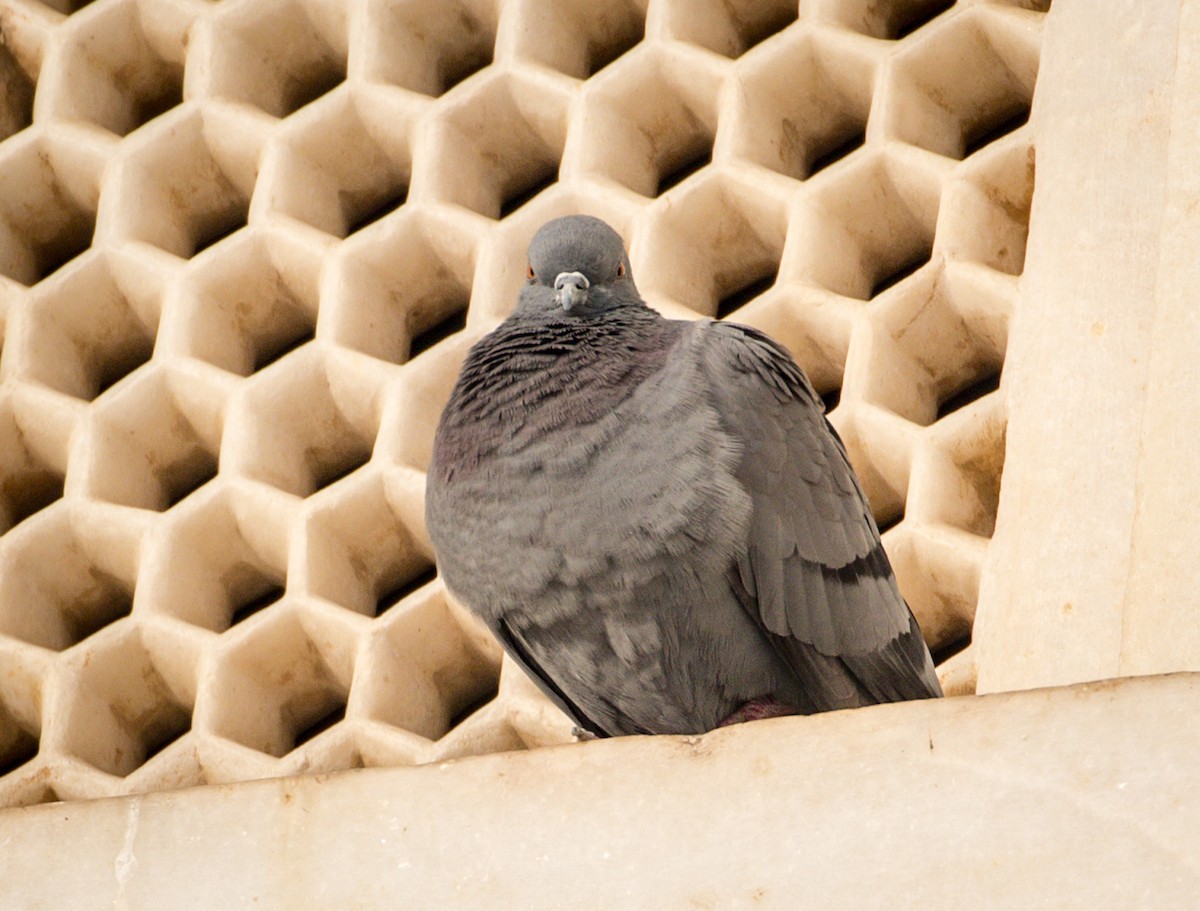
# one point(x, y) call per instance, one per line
point(244, 247)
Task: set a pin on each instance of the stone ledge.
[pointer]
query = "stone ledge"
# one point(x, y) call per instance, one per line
point(1079, 797)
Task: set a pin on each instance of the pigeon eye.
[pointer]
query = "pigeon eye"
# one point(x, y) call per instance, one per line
point(620, 270)
point(529, 272)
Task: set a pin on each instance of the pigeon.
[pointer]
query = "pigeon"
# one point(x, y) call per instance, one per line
point(654, 516)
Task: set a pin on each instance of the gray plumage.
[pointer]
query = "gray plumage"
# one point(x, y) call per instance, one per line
point(654, 516)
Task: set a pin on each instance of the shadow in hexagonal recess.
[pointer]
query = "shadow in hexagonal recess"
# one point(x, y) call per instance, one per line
point(410, 586)
point(253, 302)
point(81, 334)
point(968, 393)
point(869, 226)
point(716, 249)
point(43, 223)
point(307, 58)
point(117, 84)
point(126, 705)
point(142, 449)
point(18, 741)
point(428, 46)
point(220, 561)
point(405, 288)
point(278, 684)
point(53, 591)
point(903, 17)
point(579, 37)
point(67, 7)
point(730, 27)
point(176, 192)
point(499, 146)
point(16, 95)
point(649, 123)
point(964, 85)
point(945, 652)
point(343, 170)
point(890, 19)
point(358, 554)
point(800, 111)
point(301, 426)
point(28, 483)
point(422, 671)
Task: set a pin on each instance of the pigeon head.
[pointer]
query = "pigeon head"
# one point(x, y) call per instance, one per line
point(578, 267)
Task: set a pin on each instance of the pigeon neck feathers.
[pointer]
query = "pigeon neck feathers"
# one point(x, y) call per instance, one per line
point(538, 374)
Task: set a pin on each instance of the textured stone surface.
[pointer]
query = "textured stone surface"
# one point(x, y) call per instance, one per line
point(1067, 798)
point(1092, 572)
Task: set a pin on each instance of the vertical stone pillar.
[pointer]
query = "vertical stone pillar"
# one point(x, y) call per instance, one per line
point(1093, 570)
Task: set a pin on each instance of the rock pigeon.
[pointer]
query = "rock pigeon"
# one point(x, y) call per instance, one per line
point(654, 517)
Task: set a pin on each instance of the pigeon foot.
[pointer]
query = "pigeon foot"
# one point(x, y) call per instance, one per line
point(756, 709)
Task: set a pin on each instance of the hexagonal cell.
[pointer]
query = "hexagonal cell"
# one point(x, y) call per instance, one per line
point(890, 19)
point(177, 191)
point(358, 554)
point(964, 85)
point(802, 109)
point(306, 56)
point(28, 484)
point(428, 46)
point(53, 593)
point(338, 171)
point(715, 249)
point(142, 449)
point(929, 354)
point(125, 706)
point(107, 72)
point(221, 560)
point(278, 685)
point(970, 449)
point(78, 333)
point(422, 672)
point(938, 570)
point(497, 146)
point(16, 94)
point(46, 219)
point(578, 37)
point(730, 27)
point(403, 289)
point(252, 302)
point(869, 226)
point(649, 121)
point(301, 426)
point(986, 216)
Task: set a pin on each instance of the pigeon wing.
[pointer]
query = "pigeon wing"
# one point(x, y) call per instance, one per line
point(813, 571)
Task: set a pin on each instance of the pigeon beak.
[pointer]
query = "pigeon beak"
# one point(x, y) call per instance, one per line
point(571, 290)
